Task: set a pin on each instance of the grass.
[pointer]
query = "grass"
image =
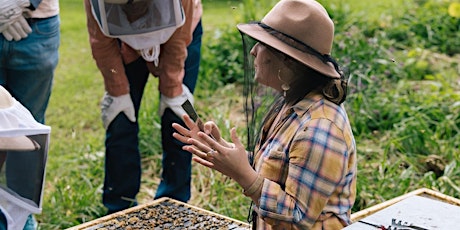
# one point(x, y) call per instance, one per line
point(401, 117)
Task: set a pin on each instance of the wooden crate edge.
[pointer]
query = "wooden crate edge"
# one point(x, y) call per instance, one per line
point(419, 192)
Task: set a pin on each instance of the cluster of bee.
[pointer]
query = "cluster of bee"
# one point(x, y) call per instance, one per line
point(169, 215)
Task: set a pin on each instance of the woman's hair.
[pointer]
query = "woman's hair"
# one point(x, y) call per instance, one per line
point(307, 80)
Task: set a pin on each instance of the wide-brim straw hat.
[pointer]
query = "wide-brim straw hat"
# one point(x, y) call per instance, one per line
point(16, 124)
point(304, 20)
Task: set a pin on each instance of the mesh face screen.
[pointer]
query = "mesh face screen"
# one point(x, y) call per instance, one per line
point(258, 98)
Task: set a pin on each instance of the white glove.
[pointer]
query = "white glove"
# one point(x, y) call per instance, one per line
point(17, 30)
point(112, 106)
point(10, 11)
point(175, 103)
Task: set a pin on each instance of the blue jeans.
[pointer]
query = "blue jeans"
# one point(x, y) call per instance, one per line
point(27, 71)
point(123, 160)
point(27, 66)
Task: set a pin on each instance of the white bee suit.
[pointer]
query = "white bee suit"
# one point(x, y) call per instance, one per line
point(23, 155)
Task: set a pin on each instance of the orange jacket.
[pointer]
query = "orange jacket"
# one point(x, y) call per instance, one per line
point(109, 56)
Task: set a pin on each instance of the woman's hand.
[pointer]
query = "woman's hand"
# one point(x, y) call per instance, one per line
point(192, 129)
point(214, 152)
point(231, 160)
point(184, 133)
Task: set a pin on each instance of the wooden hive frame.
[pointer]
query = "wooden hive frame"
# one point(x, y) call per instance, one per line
point(94, 223)
point(425, 192)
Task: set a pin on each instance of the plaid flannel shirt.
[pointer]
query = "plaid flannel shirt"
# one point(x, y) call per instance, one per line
point(309, 165)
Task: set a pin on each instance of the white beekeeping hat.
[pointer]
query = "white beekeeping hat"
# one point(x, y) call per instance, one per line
point(142, 24)
point(23, 154)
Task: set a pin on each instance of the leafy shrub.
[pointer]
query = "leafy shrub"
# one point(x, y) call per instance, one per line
point(424, 24)
point(222, 55)
point(222, 58)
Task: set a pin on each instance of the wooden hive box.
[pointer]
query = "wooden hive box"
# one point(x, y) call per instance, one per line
point(163, 213)
point(423, 208)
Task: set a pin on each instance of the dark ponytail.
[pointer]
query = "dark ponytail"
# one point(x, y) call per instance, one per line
point(336, 90)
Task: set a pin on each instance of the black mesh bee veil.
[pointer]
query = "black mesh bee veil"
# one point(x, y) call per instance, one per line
point(257, 98)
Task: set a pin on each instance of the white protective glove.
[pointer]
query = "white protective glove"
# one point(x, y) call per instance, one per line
point(175, 103)
point(17, 30)
point(112, 106)
point(11, 11)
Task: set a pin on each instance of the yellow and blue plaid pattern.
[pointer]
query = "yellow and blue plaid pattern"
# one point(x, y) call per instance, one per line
point(309, 162)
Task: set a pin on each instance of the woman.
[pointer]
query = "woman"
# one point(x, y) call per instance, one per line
point(301, 173)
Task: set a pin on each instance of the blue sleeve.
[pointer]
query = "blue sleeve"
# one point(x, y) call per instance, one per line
point(34, 4)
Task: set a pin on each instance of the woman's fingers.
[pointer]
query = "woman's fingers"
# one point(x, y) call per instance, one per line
point(235, 139)
point(201, 144)
point(189, 122)
point(211, 142)
point(181, 138)
point(211, 129)
point(201, 157)
point(184, 132)
point(203, 162)
point(180, 129)
point(195, 151)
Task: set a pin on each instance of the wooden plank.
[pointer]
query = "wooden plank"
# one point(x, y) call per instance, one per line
point(419, 192)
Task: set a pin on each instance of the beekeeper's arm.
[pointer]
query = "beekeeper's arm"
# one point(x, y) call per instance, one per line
point(172, 61)
point(106, 53)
